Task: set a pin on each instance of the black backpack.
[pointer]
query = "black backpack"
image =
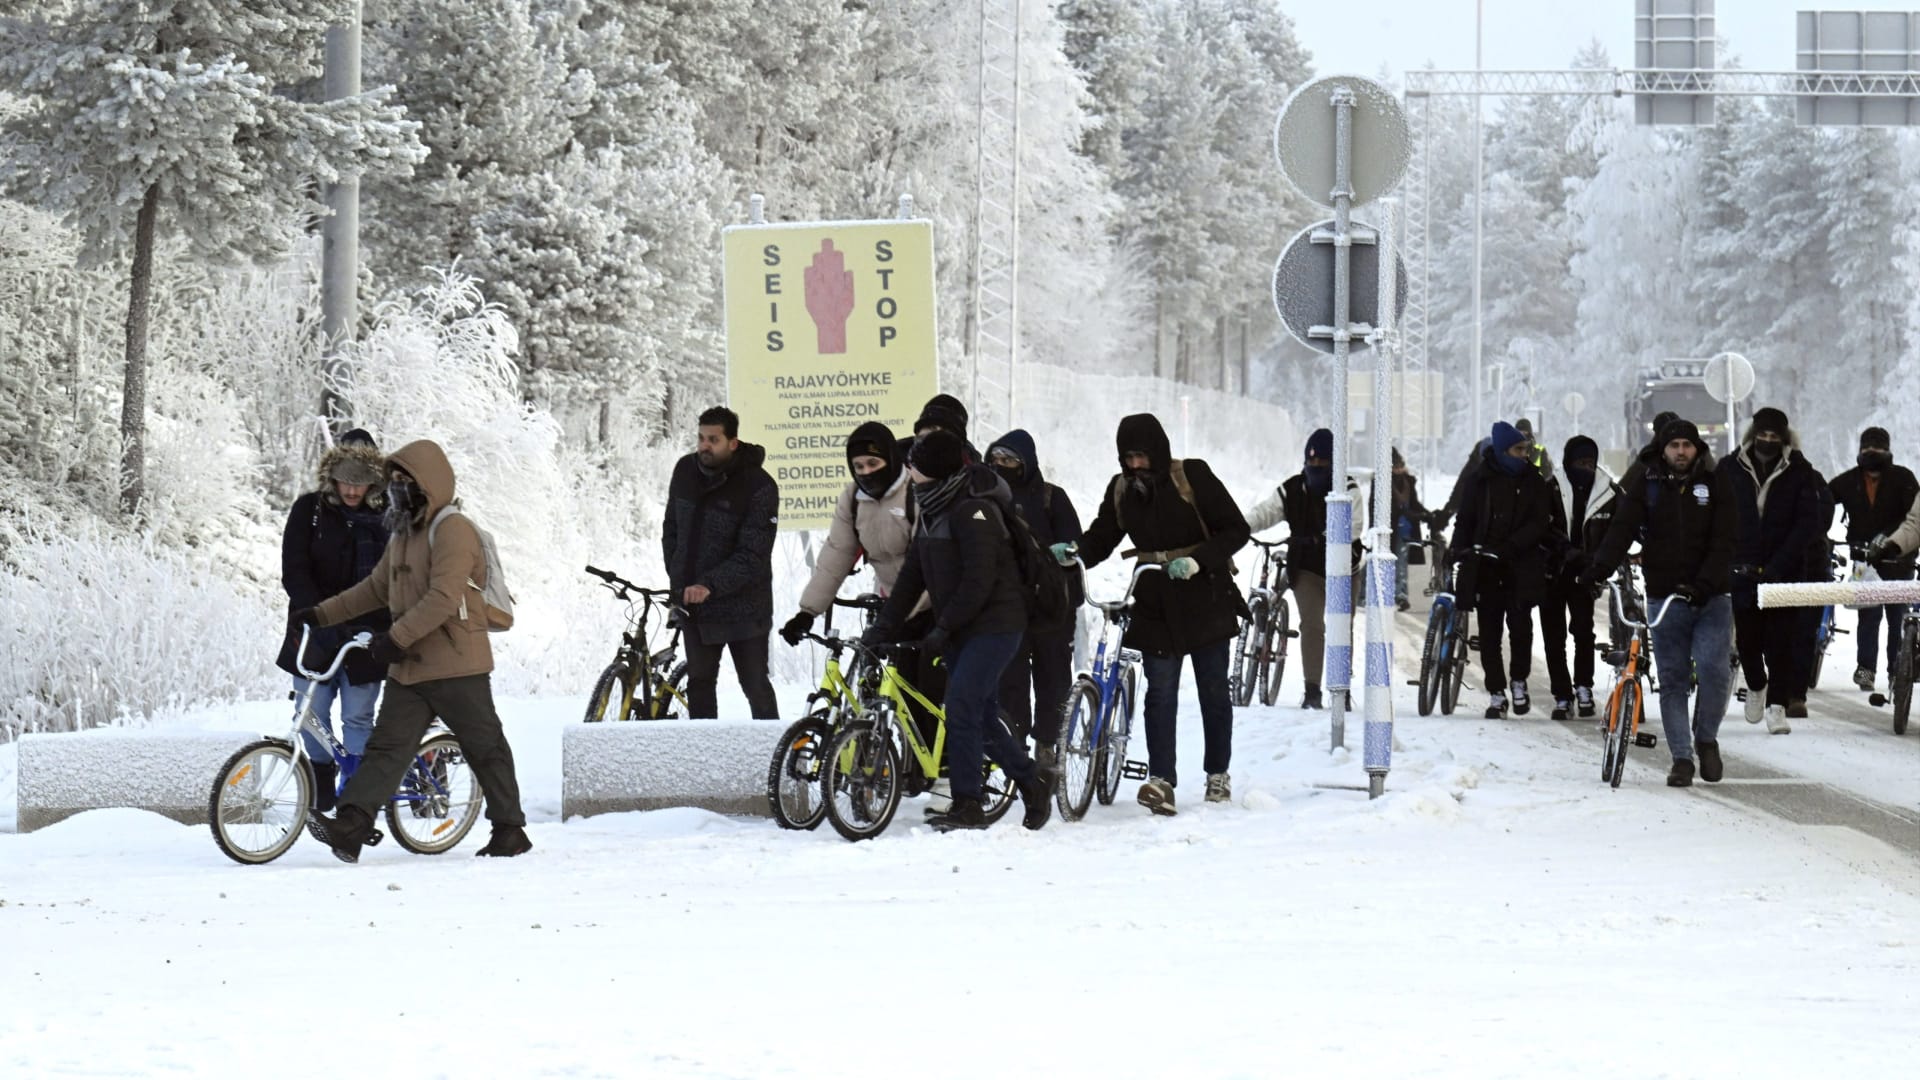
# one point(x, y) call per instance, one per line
point(1044, 584)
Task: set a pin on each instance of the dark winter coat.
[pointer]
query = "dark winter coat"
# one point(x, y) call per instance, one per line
point(1685, 524)
point(961, 559)
point(326, 549)
point(1306, 517)
point(1585, 514)
point(1172, 618)
point(1048, 512)
point(1511, 516)
point(1783, 521)
point(719, 532)
point(1882, 515)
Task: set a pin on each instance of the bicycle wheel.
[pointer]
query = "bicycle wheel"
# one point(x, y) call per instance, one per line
point(1433, 664)
point(862, 781)
point(1113, 740)
point(439, 799)
point(668, 694)
point(1279, 630)
point(793, 779)
point(1079, 758)
point(1246, 654)
point(1623, 710)
point(259, 802)
point(1902, 678)
point(612, 697)
point(997, 791)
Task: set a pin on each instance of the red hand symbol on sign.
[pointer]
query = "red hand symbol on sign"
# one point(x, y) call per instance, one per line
point(829, 287)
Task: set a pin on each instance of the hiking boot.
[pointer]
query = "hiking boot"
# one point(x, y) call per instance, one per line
point(1403, 604)
point(346, 832)
point(1036, 799)
point(1681, 775)
point(961, 813)
point(1797, 709)
point(1711, 767)
point(1562, 708)
point(1219, 787)
point(939, 798)
point(506, 842)
point(326, 787)
point(1048, 759)
point(1583, 701)
point(1497, 707)
point(1863, 678)
point(1311, 699)
point(1157, 795)
point(1777, 721)
point(1756, 702)
point(1520, 699)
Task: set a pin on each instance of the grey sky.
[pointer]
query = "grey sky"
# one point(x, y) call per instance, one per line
point(1358, 36)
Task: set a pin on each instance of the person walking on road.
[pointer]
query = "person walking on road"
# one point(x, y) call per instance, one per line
point(1301, 504)
point(1500, 542)
point(1586, 491)
point(1033, 690)
point(1876, 495)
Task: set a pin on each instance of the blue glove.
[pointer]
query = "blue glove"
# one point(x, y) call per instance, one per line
point(1182, 568)
point(1064, 552)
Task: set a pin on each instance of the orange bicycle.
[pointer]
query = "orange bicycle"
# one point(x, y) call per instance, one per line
point(1627, 703)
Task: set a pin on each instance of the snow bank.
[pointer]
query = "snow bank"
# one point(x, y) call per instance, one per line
point(717, 765)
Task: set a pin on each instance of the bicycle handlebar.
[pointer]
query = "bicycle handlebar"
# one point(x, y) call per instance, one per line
point(359, 641)
point(621, 586)
point(863, 602)
point(1270, 545)
point(1620, 609)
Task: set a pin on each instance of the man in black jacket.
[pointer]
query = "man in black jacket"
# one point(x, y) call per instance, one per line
point(1301, 504)
point(1784, 508)
point(1586, 492)
point(1178, 515)
point(1875, 495)
point(1500, 543)
point(723, 512)
point(1033, 691)
point(962, 559)
point(333, 539)
point(1683, 513)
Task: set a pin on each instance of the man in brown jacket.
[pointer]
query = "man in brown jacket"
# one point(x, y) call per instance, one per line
point(440, 659)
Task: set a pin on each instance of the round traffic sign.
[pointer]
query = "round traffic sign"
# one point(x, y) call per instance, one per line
point(1729, 377)
point(1303, 139)
point(1575, 403)
point(1303, 287)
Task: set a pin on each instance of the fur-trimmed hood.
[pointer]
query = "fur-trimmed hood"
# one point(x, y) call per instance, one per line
point(361, 453)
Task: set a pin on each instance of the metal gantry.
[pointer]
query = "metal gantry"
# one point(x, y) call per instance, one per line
point(996, 257)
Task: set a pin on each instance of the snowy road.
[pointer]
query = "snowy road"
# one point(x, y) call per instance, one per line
point(1500, 913)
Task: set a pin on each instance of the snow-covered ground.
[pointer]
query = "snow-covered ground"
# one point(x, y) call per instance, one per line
point(1498, 913)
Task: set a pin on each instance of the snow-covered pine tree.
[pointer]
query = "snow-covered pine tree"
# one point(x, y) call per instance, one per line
point(140, 108)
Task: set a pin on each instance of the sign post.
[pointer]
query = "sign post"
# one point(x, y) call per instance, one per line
point(1342, 142)
point(829, 325)
point(1729, 378)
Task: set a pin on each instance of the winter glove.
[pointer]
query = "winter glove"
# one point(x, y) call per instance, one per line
point(796, 628)
point(384, 650)
point(1588, 576)
point(1881, 548)
point(1182, 568)
point(1693, 594)
point(1064, 552)
point(877, 635)
point(306, 616)
point(935, 642)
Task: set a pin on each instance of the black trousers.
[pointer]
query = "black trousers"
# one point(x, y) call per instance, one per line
point(465, 705)
point(1767, 641)
point(1033, 689)
point(749, 663)
point(1569, 609)
point(1497, 610)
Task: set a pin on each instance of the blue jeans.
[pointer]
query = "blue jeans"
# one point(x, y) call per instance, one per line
point(974, 731)
point(1692, 640)
point(356, 713)
point(1162, 709)
point(1867, 634)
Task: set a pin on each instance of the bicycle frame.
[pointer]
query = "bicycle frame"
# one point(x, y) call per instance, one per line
point(305, 720)
point(1630, 669)
point(1113, 660)
point(652, 688)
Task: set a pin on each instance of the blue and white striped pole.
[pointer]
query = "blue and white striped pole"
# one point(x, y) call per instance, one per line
point(1339, 606)
point(1381, 569)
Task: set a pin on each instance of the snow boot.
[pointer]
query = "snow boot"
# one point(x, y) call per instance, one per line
point(1562, 708)
point(1520, 699)
point(1863, 678)
point(1756, 703)
point(506, 842)
point(1157, 795)
point(1036, 799)
point(1403, 604)
point(1497, 707)
point(1219, 787)
point(1797, 709)
point(1311, 699)
point(1583, 699)
point(1777, 720)
point(346, 832)
point(1711, 767)
point(961, 813)
point(326, 788)
point(1681, 775)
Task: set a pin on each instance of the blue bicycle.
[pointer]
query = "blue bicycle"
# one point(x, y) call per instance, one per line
point(1444, 657)
point(1823, 637)
point(1093, 744)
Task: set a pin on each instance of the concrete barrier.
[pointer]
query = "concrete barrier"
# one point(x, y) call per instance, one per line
point(717, 765)
point(170, 773)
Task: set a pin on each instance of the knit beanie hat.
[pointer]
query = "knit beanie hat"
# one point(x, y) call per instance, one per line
point(938, 454)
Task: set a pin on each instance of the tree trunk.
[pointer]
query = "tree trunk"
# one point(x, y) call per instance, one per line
point(133, 399)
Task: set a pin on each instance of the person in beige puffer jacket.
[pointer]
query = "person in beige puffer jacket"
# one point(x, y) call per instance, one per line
point(439, 657)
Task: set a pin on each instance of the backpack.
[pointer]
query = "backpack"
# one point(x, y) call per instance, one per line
point(494, 594)
point(1043, 581)
point(1177, 471)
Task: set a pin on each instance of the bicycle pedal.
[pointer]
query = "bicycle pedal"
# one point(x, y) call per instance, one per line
point(373, 838)
point(1646, 739)
point(1134, 770)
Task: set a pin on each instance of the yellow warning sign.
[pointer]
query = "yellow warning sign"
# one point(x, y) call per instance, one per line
point(829, 325)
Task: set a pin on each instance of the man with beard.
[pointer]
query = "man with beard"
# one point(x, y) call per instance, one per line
point(1682, 511)
point(1875, 495)
point(723, 513)
point(1301, 503)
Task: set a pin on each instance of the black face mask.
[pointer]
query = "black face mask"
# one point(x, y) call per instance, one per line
point(1319, 478)
point(878, 482)
point(1768, 452)
point(1010, 473)
point(1582, 477)
point(404, 499)
point(1874, 460)
point(1140, 480)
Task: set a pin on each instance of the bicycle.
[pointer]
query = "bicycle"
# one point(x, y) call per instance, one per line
point(1823, 636)
point(1093, 743)
point(263, 796)
point(863, 780)
point(639, 685)
point(1449, 645)
point(794, 791)
point(1261, 654)
point(1627, 702)
point(1900, 678)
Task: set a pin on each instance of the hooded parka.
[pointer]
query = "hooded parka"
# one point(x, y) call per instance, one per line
point(1510, 515)
point(1784, 514)
point(327, 548)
